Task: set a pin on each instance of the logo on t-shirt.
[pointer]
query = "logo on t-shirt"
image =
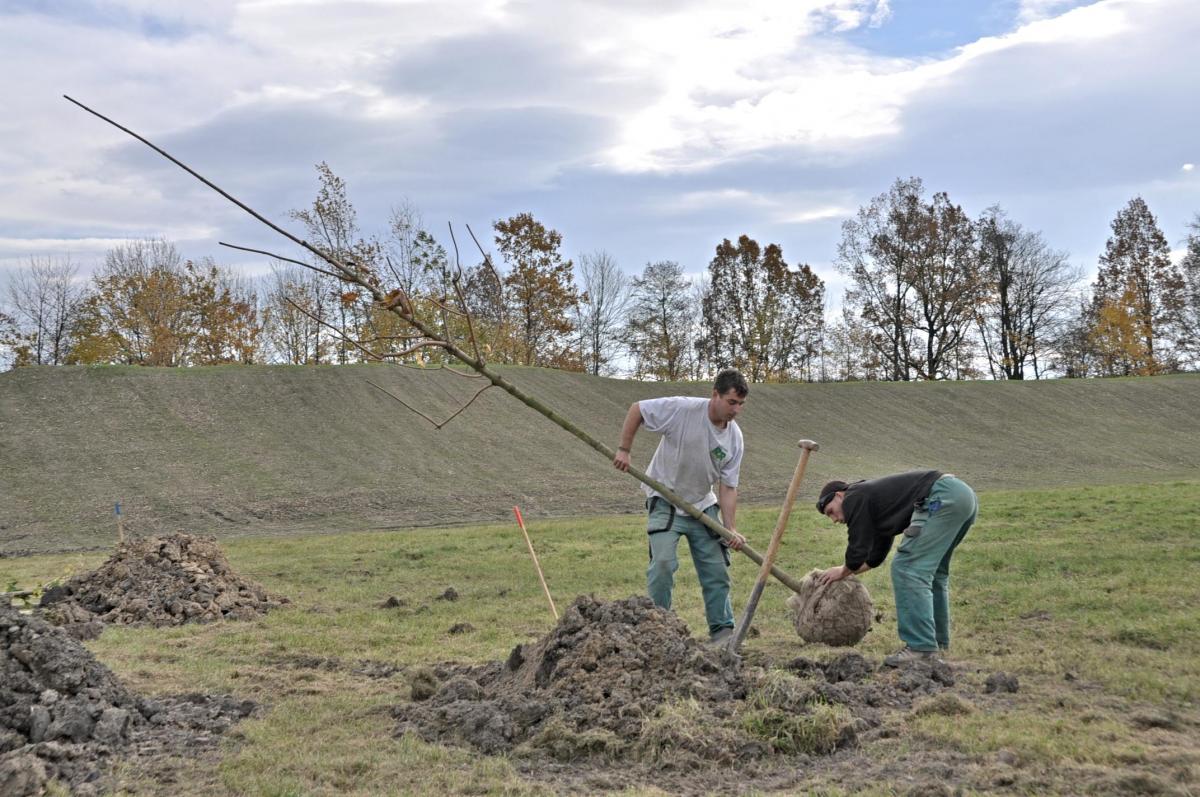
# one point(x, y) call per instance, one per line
point(719, 454)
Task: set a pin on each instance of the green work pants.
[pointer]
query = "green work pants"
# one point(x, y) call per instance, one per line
point(921, 566)
point(665, 526)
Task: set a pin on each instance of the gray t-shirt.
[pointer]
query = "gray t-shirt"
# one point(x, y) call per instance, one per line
point(693, 453)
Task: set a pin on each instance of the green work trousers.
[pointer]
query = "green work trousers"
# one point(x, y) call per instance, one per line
point(921, 566)
point(665, 526)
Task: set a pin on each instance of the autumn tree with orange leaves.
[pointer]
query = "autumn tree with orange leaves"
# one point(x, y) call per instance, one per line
point(538, 297)
point(147, 306)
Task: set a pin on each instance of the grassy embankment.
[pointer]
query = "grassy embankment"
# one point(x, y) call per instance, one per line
point(1088, 595)
point(254, 450)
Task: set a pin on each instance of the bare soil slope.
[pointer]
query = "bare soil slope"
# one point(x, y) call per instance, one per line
point(264, 449)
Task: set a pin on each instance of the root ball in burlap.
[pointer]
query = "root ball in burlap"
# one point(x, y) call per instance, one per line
point(834, 614)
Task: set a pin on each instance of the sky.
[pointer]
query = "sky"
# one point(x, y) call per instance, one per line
point(648, 130)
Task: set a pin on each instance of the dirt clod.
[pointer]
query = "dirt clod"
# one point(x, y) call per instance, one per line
point(451, 594)
point(157, 581)
point(423, 683)
point(836, 614)
point(848, 667)
point(1001, 682)
point(946, 704)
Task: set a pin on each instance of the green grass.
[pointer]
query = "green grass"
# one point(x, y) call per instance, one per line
point(250, 450)
point(1087, 595)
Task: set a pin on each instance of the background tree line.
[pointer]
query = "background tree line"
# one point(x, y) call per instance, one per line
point(932, 293)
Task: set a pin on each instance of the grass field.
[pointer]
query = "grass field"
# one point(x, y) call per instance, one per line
point(1088, 595)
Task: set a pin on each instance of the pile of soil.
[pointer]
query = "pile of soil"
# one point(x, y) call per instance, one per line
point(619, 691)
point(157, 581)
point(63, 715)
point(837, 614)
point(587, 686)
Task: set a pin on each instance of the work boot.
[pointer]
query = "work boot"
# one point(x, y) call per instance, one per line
point(910, 656)
point(720, 636)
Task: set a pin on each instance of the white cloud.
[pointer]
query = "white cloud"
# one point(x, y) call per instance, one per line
point(1187, 167)
point(777, 208)
point(716, 198)
point(492, 106)
point(1034, 10)
point(819, 213)
point(814, 95)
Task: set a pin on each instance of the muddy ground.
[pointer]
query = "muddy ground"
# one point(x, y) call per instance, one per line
point(620, 695)
point(65, 717)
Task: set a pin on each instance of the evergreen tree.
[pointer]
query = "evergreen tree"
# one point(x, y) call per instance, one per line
point(1137, 280)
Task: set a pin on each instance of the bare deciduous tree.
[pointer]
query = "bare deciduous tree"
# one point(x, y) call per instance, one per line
point(660, 326)
point(332, 222)
point(1030, 291)
point(44, 300)
point(851, 354)
point(915, 279)
point(1188, 341)
point(295, 303)
point(601, 311)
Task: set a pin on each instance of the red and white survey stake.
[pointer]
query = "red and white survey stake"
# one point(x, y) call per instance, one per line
point(542, 578)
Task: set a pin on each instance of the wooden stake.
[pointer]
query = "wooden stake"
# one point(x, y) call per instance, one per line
point(542, 578)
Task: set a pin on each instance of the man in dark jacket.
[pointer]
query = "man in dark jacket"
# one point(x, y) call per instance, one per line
point(933, 511)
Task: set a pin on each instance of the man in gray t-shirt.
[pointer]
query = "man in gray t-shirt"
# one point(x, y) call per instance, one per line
point(701, 445)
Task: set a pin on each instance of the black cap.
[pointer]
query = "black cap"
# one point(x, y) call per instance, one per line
point(828, 492)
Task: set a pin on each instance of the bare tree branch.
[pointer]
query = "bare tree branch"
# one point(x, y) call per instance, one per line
point(391, 267)
point(405, 404)
point(486, 257)
point(435, 424)
point(446, 308)
point(308, 266)
point(454, 241)
point(462, 302)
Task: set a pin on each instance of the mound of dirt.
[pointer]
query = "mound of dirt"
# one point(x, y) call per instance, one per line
point(588, 686)
point(63, 715)
point(837, 614)
point(619, 692)
point(157, 581)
